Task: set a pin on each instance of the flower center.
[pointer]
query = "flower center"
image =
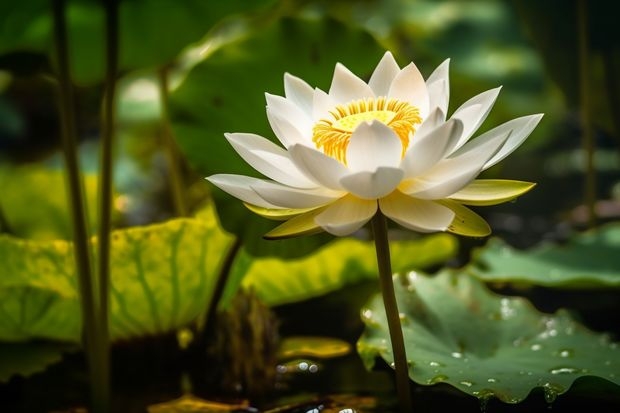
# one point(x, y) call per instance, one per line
point(332, 135)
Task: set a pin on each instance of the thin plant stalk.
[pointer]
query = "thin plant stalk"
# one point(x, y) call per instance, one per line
point(105, 202)
point(586, 123)
point(401, 365)
point(88, 304)
point(171, 149)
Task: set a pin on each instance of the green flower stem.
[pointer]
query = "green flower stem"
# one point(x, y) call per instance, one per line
point(382, 246)
point(76, 200)
point(172, 151)
point(102, 351)
point(587, 142)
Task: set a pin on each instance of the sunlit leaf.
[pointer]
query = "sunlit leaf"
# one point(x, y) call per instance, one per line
point(25, 359)
point(590, 259)
point(191, 404)
point(29, 185)
point(337, 264)
point(458, 332)
point(163, 276)
point(225, 93)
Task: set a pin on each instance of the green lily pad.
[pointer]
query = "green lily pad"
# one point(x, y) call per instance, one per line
point(26, 359)
point(339, 263)
point(226, 93)
point(29, 185)
point(590, 260)
point(458, 332)
point(162, 277)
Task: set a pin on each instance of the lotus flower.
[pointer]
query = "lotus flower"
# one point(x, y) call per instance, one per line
point(382, 145)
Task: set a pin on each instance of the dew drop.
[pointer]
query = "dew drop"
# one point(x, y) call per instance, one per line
point(435, 364)
point(492, 380)
point(563, 370)
point(536, 347)
point(367, 314)
point(551, 391)
point(457, 355)
point(565, 353)
point(466, 383)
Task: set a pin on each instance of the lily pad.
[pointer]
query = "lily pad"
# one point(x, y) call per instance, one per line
point(589, 260)
point(458, 332)
point(29, 185)
point(339, 263)
point(162, 277)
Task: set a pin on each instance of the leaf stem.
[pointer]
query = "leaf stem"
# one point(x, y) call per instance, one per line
point(171, 149)
point(382, 246)
point(76, 200)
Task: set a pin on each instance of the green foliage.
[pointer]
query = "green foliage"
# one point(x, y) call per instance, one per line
point(338, 264)
point(26, 186)
point(589, 260)
point(225, 93)
point(152, 33)
point(162, 277)
point(458, 332)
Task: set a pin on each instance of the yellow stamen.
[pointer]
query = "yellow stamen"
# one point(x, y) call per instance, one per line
point(332, 135)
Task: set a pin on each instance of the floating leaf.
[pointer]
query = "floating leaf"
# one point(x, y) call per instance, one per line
point(341, 262)
point(590, 259)
point(315, 347)
point(458, 332)
point(192, 404)
point(219, 96)
point(29, 358)
point(162, 277)
point(25, 186)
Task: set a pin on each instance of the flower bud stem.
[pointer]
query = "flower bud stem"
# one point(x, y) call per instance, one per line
point(379, 230)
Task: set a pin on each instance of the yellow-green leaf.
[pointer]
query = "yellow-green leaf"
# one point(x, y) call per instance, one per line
point(300, 225)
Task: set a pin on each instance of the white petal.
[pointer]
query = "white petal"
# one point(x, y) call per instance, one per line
point(286, 132)
point(346, 215)
point(299, 92)
point(322, 103)
point(287, 197)
point(287, 109)
point(324, 169)
point(519, 130)
point(373, 185)
point(426, 151)
point(239, 186)
point(347, 87)
point(452, 174)
point(416, 214)
point(268, 159)
point(435, 119)
point(384, 74)
point(438, 84)
point(474, 112)
point(373, 145)
point(409, 86)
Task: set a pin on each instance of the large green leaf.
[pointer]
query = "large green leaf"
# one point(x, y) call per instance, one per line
point(151, 32)
point(590, 259)
point(28, 185)
point(225, 93)
point(340, 263)
point(458, 332)
point(163, 276)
